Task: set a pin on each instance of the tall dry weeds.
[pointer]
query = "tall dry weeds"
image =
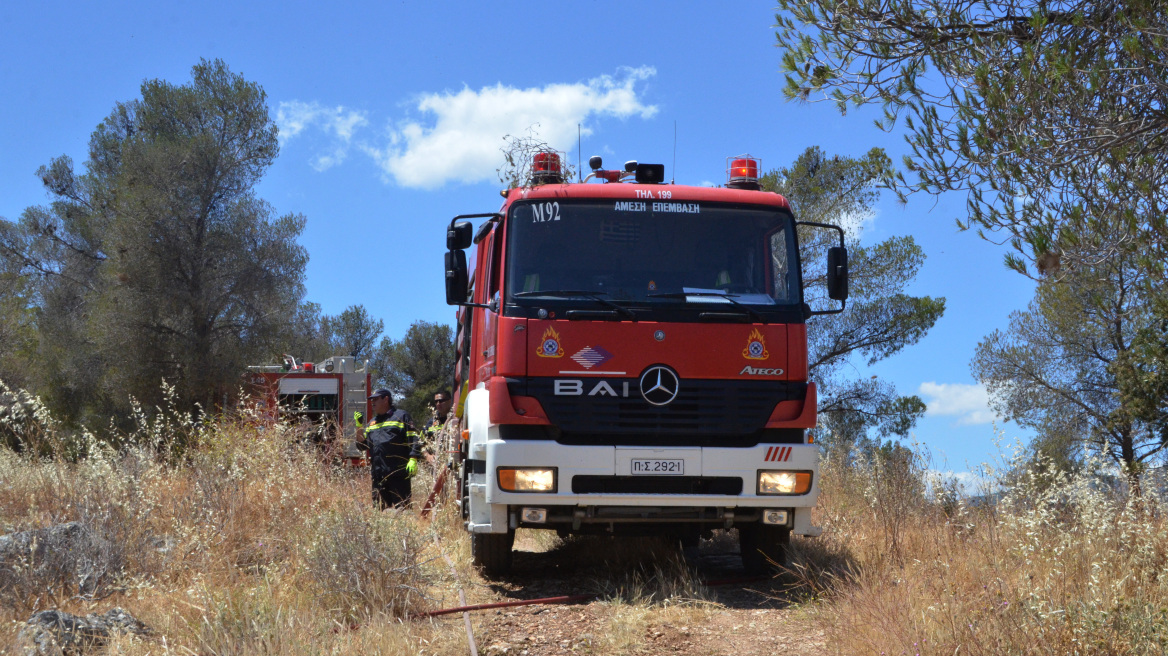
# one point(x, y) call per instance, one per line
point(366, 563)
point(1060, 565)
point(227, 536)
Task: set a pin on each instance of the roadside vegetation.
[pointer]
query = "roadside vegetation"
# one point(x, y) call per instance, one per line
point(236, 536)
point(1013, 105)
point(245, 540)
point(1055, 563)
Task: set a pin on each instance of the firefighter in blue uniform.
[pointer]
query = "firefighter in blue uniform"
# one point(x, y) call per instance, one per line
point(393, 447)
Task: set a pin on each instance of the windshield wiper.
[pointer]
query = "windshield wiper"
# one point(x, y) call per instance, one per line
point(726, 295)
point(568, 293)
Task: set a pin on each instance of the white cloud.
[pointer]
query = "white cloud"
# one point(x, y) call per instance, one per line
point(969, 480)
point(968, 402)
point(969, 483)
point(465, 130)
point(338, 124)
point(326, 160)
point(855, 223)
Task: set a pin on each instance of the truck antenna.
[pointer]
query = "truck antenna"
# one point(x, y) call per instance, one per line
point(579, 144)
point(674, 169)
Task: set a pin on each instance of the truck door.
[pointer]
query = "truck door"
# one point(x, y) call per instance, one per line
point(485, 349)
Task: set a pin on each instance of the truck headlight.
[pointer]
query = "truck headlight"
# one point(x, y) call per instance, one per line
point(527, 479)
point(784, 482)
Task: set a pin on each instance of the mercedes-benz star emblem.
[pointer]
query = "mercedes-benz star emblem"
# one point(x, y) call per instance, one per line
point(659, 385)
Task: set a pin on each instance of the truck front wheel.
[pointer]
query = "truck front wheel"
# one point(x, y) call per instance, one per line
point(491, 552)
point(764, 547)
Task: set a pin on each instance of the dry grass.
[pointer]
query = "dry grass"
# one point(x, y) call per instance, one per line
point(236, 538)
point(649, 573)
point(627, 624)
point(242, 541)
point(1059, 566)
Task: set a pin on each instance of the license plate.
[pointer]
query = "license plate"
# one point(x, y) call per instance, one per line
point(658, 467)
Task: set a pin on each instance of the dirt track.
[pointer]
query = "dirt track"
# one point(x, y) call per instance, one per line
point(740, 617)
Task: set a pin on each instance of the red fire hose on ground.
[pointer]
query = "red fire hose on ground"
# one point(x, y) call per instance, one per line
point(439, 486)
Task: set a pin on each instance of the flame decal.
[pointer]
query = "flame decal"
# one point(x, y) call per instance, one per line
point(755, 347)
point(549, 345)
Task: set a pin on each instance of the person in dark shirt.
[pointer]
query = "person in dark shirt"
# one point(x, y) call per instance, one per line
point(430, 435)
point(393, 448)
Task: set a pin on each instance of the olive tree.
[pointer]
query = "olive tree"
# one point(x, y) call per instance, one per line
point(1058, 367)
point(880, 319)
point(157, 260)
point(1048, 115)
point(416, 366)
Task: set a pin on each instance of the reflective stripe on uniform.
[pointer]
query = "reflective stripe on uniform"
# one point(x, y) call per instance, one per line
point(384, 424)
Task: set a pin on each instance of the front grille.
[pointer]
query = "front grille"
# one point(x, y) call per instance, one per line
point(732, 408)
point(765, 436)
point(725, 485)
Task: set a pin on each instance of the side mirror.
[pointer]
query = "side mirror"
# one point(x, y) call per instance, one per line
point(456, 278)
point(459, 235)
point(837, 270)
point(837, 273)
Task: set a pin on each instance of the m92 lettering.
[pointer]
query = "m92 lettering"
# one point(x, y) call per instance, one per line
point(543, 212)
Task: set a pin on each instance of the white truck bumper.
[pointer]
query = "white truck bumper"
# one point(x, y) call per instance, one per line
point(583, 471)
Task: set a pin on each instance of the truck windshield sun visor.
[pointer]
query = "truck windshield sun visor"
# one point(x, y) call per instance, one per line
point(691, 297)
point(571, 293)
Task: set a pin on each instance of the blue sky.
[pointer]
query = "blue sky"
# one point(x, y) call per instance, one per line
point(392, 115)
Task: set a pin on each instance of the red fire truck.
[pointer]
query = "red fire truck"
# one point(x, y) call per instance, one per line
point(322, 396)
point(633, 360)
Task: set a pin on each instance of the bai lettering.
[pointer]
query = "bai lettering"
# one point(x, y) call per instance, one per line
point(570, 387)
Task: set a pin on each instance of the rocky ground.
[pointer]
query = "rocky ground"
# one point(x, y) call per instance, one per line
point(700, 604)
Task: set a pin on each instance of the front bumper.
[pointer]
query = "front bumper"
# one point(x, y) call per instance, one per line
point(610, 467)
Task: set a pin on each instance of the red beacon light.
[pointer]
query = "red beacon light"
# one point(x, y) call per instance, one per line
point(546, 168)
point(547, 161)
point(742, 172)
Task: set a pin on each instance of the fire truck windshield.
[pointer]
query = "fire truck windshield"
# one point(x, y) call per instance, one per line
point(651, 254)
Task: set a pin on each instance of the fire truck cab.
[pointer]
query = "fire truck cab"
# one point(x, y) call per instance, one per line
point(632, 359)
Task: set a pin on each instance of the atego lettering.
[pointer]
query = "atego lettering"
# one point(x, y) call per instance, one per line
point(759, 371)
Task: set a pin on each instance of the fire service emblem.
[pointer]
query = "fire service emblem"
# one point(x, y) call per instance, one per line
point(549, 346)
point(755, 347)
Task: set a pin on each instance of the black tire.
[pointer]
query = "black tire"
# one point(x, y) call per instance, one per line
point(764, 548)
point(491, 552)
